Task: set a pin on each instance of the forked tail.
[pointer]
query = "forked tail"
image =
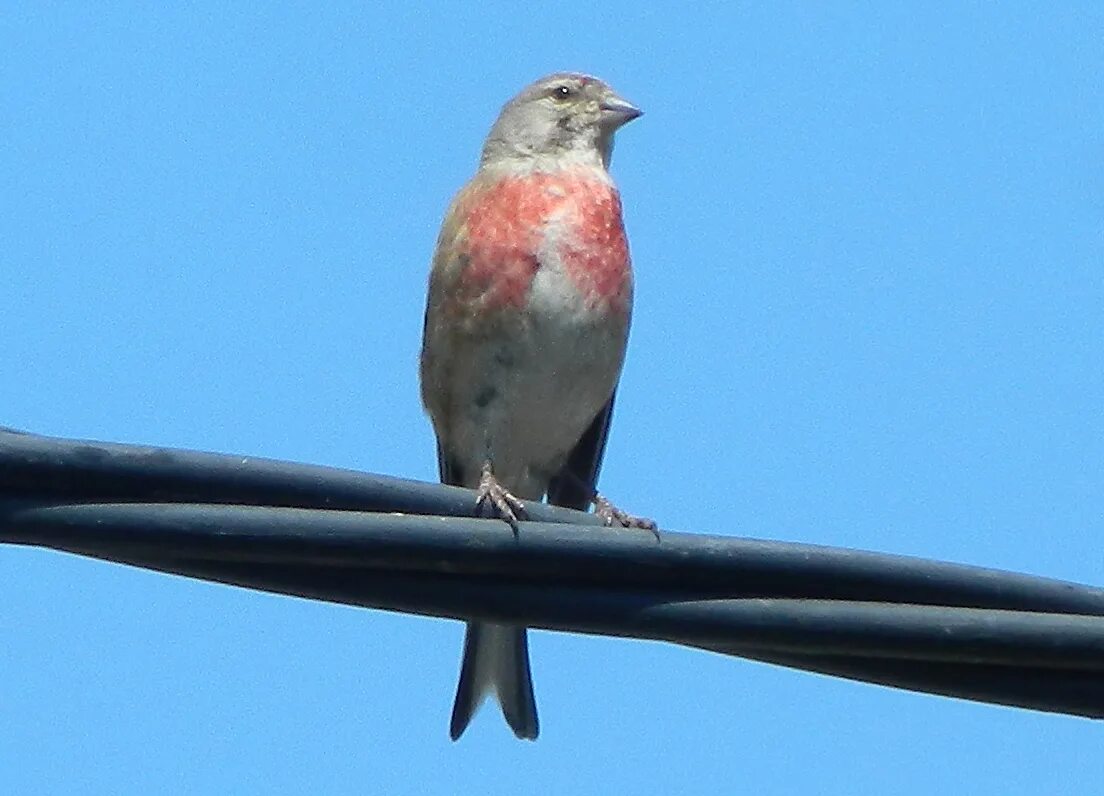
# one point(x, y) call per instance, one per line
point(496, 658)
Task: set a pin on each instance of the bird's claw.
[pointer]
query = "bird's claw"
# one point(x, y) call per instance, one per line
point(509, 508)
point(611, 515)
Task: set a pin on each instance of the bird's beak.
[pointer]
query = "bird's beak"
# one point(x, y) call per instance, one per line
point(616, 111)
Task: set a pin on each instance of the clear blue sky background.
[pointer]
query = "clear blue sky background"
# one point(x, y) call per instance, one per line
point(870, 274)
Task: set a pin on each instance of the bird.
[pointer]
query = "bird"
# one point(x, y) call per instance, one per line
point(526, 326)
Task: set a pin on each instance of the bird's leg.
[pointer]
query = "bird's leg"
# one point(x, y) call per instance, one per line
point(508, 507)
point(606, 511)
point(610, 514)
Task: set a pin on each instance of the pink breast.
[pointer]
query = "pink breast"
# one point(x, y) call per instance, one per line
point(577, 212)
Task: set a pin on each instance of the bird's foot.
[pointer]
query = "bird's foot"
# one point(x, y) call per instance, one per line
point(611, 515)
point(508, 507)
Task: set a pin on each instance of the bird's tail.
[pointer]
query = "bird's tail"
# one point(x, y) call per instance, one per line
point(496, 658)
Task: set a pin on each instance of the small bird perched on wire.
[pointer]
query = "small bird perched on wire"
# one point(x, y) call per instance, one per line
point(526, 324)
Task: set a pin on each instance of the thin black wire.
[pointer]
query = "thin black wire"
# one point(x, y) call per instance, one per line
point(387, 543)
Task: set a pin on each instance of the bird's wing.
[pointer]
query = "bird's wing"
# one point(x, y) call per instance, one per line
point(446, 271)
point(448, 468)
point(575, 485)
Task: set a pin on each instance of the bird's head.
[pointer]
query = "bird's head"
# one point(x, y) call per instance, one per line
point(565, 115)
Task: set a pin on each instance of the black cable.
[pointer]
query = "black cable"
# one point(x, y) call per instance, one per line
point(333, 535)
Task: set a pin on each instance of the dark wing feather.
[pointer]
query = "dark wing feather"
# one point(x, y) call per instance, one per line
point(448, 469)
point(576, 483)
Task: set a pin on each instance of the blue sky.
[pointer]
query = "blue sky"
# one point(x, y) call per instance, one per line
point(869, 258)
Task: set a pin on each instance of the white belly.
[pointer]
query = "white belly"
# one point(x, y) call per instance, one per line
point(524, 399)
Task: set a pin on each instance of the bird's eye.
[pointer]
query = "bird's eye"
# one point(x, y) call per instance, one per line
point(562, 92)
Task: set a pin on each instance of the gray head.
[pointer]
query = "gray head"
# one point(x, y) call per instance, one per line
point(562, 114)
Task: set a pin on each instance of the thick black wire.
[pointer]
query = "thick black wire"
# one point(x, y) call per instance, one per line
point(333, 535)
